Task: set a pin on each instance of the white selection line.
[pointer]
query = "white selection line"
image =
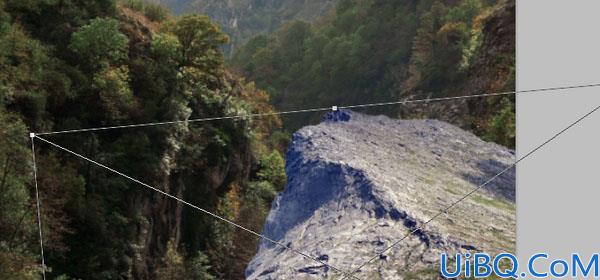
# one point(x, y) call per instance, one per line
point(468, 96)
point(306, 255)
point(37, 200)
point(236, 117)
point(445, 210)
point(332, 108)
point(322, 109)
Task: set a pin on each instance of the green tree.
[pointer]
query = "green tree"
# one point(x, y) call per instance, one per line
point(501, 127)
point(4, 20)
point(465, 12)
point(156, 12)
point(222, 246)
point(69, 64)
point(198, 267)
point(23, 64)
point(166, 47)
point(137, 5)
point(200, 40)
point(100, 42)
point(113, 89)
point(272, 170)
point(172, 267)
point(17, 220)
point(446, 55)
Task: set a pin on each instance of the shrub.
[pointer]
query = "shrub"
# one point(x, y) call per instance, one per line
point(156, 12)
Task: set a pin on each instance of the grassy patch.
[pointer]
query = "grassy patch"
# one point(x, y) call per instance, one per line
point(496, 203)
point(453, 188)
point(427, 273)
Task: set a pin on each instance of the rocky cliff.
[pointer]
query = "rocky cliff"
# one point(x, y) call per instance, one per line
point(357, 183)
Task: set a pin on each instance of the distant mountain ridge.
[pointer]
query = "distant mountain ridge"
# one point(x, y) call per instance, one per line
point(244, 19)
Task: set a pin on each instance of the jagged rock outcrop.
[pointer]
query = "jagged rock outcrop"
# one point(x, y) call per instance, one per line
point(357, 183)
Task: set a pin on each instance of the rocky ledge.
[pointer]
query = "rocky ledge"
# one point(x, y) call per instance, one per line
point(357, 183)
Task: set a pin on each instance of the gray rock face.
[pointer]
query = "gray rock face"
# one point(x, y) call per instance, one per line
point(357, 183)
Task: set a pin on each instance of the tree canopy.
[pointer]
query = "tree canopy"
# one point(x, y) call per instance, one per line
point(73, 64)
point(378, 51)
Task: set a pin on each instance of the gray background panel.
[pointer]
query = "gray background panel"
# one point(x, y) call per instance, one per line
point(558, 194)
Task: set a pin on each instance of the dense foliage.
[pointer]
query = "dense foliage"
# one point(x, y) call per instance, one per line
point(73, 64)
point(244, 19)
point(377, 51)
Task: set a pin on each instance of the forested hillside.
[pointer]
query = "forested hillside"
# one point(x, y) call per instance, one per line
point(244, 19)
point(79, 64)
point(379, 51)
point(75, 64)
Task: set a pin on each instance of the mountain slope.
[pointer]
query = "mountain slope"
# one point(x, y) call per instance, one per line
point(381, 51)
point(244, 19)
point(357, 183)
point(76, 64)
